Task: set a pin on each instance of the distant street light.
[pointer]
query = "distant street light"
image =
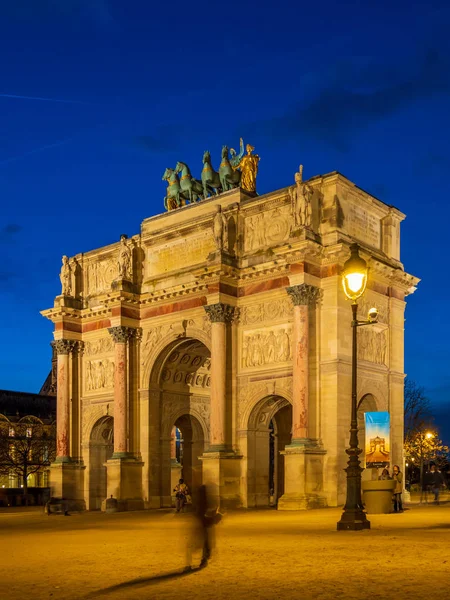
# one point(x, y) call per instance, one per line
point(354, 281)
point(422, 436)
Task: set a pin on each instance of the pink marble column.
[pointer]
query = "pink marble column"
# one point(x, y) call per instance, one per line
point(63, 349)
point(120, 335)
point(302, 296)
point(219, 314)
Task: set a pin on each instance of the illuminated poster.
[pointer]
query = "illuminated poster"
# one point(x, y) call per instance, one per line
point(377, 439)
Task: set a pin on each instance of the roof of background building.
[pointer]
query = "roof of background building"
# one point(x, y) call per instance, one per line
point(15, 405)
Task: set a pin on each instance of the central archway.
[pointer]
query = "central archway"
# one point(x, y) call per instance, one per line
point(182, 378)
point(269, 432)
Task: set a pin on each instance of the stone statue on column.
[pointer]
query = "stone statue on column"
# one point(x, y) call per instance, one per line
point(124, 259)
point(220, 230)
point(66, 277)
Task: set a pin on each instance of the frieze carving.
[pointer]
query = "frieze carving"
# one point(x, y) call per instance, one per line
point(100, 275)
point(101, 346)
point(121, 334)
point(266, 311)
point(304, 294)
point(265, 347)
point(265, 229)
point(99, 374)
point(221, 313)
point(63, 346)
point(372, 345)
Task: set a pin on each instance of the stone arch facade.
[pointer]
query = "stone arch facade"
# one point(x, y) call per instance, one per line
point(267, 307)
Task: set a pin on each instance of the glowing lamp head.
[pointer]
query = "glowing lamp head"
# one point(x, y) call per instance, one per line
point(354, 277)
point(429, 436)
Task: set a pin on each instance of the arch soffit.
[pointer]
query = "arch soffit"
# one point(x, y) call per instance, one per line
point(166, 429)
point(96, 434)
point(154, 362)
point(259, 400)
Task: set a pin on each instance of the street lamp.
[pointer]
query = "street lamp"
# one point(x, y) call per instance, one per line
point(354, 281)
point(428, 435)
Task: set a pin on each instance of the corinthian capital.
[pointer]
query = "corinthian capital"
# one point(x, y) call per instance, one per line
point(121, 334)
point(221, 313)
point(304, 294)
point(63, 346)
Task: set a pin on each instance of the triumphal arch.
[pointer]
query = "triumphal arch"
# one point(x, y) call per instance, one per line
point(216, 344)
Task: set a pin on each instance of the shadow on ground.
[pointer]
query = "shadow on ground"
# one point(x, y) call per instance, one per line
point(145, 581)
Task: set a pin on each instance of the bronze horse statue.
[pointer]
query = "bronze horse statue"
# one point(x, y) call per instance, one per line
point(189, 186)
point(210, 177)
point(174, 196)
point(229, 178)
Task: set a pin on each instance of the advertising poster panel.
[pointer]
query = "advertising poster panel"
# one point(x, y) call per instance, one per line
point(378, 444)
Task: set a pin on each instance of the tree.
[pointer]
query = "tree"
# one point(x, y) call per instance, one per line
point(422, 443)
point(418, 416)
point(26, 447)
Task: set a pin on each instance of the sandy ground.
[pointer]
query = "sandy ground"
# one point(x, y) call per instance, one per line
point(259, 555)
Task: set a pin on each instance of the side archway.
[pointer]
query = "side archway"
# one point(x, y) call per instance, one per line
point(366, 404)
point(268, 433)
point(101, 447)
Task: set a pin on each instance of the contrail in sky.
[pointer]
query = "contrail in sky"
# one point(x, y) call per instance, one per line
point(42, 99)
point(35, 151)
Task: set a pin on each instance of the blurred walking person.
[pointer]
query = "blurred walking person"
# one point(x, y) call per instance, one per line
point(398, 477)
point(205, 519)
point(435, 480)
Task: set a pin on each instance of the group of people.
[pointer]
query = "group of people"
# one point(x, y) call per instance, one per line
point(397, 475)
point(206, 516)
point(434, 481)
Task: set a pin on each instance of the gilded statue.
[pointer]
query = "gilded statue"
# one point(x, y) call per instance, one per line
point(124, 259)
point(248, 166)
point(66, 277)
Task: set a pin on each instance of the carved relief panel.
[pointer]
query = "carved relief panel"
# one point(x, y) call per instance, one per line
point(267, 229)
point(99, 275)
point(281, 308)
point(373, 342)
point(98, 374)
point(266, 346)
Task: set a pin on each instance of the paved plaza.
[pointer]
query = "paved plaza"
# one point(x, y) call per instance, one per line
point(259, 555)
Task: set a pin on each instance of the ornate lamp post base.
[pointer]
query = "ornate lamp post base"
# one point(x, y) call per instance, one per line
point(353, 520)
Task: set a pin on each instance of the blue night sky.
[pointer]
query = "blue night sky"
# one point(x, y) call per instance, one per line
point(97, 97)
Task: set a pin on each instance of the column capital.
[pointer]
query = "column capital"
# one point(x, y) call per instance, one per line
point(304, 294)
point(221, 313)
point(63, 346)
point(121, 334)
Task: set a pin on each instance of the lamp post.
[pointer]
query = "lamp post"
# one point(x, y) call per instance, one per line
point(354, 281)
